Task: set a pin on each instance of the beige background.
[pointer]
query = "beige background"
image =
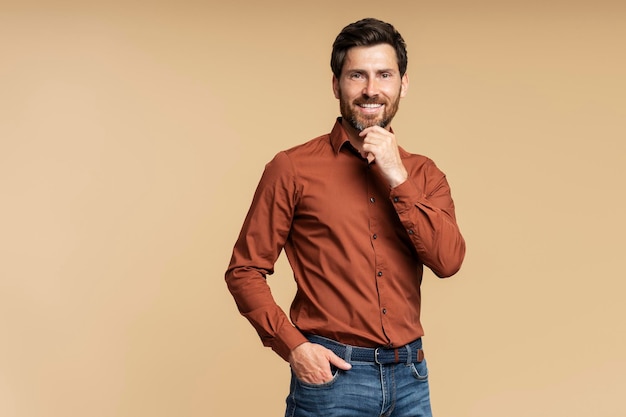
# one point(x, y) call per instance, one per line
point(132, 137)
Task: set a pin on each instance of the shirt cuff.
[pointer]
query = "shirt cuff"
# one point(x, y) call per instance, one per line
point(289, 339)
point(404, 196)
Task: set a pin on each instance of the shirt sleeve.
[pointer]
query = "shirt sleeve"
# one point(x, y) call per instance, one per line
point(256, 250)
point(426, 210)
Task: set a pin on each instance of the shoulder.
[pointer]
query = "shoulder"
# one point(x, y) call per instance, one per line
point(288, 160)
point(316, 146)
point(422, 168)
point(415, 160)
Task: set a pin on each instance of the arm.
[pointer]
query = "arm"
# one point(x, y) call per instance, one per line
point(428, 215)
point(260, 242)
point(425, 207)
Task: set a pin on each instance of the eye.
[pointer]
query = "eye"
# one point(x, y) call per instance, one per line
point(356, 75)
point(386, 75)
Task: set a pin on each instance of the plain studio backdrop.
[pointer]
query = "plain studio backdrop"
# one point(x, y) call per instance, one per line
point(133, 134)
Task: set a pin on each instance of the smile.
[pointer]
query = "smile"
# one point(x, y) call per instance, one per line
point(370, 106)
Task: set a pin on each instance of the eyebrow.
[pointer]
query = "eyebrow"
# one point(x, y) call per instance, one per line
point(377, 71)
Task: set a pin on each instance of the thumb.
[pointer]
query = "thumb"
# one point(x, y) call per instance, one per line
point(369, 156)
point(338, 362)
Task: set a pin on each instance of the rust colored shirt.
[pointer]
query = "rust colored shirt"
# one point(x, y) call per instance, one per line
point(356, 246)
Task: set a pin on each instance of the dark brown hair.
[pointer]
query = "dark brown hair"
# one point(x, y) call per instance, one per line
point(367, 32)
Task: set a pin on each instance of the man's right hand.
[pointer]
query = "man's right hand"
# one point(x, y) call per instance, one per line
point(311, 363)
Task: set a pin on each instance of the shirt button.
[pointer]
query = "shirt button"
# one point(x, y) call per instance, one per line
point(384, 311)
point(375, 236)
point(396, 199)
point(372, 200)
point(410, 231)
point(380, 273)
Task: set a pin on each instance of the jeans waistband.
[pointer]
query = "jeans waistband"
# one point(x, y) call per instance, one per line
point(409, 353)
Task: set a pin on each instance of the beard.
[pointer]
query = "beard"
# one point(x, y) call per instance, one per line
point(359, 121)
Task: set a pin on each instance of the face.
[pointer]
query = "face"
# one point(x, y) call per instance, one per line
point(370, 86)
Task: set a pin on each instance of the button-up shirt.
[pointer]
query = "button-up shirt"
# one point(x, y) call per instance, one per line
point(356, 246)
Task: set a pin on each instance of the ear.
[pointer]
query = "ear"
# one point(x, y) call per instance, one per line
point(404, 85)
point(336, 87)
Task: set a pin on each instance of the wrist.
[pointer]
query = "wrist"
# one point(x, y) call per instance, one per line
point(398, 179)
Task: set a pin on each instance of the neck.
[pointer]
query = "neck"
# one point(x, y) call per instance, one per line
point(353, 135)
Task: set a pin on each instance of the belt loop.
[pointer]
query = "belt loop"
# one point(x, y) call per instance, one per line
point(409, 360)
point(347, 355)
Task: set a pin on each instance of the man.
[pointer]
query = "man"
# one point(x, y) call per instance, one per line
point(358, 218)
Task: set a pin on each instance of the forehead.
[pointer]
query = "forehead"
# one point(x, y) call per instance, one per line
point(376, 57)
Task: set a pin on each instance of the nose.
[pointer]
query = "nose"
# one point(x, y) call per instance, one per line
point(371, 87)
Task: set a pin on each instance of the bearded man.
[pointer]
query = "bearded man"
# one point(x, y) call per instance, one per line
point(359, 218)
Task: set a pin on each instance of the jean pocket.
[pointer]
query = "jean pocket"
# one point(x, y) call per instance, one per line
point(327, 384)
point(420, 370)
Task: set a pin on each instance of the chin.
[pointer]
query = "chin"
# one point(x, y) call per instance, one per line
point(361, 125)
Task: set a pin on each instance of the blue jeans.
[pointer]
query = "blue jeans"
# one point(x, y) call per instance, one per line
point(367, 390)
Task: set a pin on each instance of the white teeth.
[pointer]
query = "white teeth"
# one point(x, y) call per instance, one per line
point(371, 106)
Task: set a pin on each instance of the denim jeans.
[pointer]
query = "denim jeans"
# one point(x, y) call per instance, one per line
point(366, 390)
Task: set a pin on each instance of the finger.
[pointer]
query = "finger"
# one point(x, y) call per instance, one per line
point(372, 129)
point(373, 134)
point(367, 154)
point(338, 362)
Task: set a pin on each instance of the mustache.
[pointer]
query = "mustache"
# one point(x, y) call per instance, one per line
point(369, 101)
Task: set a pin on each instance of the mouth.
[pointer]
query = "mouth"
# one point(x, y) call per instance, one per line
point(370, 107)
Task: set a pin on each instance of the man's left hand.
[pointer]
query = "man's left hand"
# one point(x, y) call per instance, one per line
point(380, 145)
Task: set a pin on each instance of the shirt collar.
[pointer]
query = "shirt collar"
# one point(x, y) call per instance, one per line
point(338, 136)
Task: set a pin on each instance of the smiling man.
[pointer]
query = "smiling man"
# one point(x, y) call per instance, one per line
point(359, 218)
